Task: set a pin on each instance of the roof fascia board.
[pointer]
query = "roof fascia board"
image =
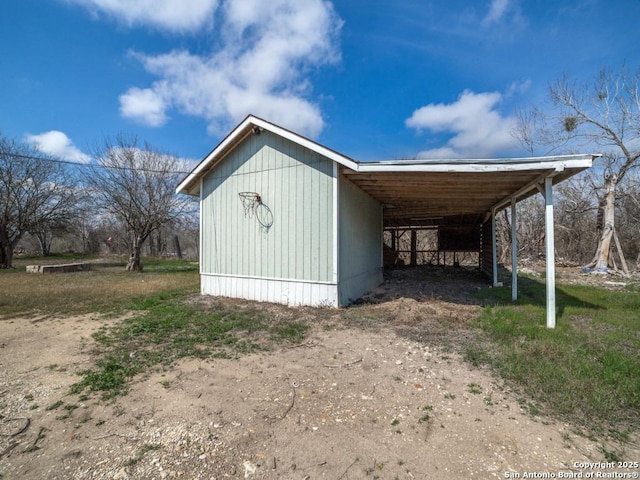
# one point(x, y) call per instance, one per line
point(481, 166)
point(488, 161)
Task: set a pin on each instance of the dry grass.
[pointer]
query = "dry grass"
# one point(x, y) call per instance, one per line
point(107, 287)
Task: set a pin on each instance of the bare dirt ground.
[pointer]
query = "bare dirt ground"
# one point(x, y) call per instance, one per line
point(356, 400)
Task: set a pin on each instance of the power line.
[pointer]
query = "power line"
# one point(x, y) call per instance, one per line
point(89, 165)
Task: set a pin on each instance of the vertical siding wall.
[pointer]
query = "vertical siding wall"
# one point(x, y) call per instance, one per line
point(297, 186)
point(360, 243)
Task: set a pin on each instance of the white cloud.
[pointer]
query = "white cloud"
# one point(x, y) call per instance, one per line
point(497, 11)
point(144, 105)
point(171, 15)
point(478, 129)
point(268, 49)
point(518, 88)
point(57, 144)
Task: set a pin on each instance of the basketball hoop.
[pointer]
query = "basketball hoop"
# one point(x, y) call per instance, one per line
point(264, 216)
point(249, 202)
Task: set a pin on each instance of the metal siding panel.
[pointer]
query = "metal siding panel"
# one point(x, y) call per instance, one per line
point(296, 185)
point(305, 216)
point(326, 208)
point(270, 250)
point(314, 220)
point(292, 214)
point(298, 226)
point(286, 292)
point(360, 242)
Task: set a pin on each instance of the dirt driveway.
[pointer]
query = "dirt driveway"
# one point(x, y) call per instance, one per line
point(350, 403)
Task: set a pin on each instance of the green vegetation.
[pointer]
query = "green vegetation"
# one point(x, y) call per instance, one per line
point(55, 405)
point(474, 388)
point(426, 417)
point(586, 370)
point(147, 447)
point(165, 328)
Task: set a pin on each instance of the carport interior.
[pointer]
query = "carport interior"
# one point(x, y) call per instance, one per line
point(459, 199)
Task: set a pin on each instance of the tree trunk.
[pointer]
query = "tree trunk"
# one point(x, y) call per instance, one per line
point(134, 264)
point(159, 249)
point(46, 239)
point(602, 260)
point(6, 249)
point(4, 261)
point(176, 242)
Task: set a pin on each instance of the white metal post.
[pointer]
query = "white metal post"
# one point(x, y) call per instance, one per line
point(494, 249)
point(514, 252)
point(550, 253)
point(336, 232)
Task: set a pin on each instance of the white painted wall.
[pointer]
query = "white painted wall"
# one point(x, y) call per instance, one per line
point(297, 186)
point(360, 243)
point(292, 262)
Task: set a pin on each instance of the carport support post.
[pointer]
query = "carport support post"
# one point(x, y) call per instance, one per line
point(414, 247)
point(514, 252)
point(549, 244)
point(494, 249)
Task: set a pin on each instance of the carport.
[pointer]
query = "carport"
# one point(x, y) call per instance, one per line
point(469, 193)
point(323, 240)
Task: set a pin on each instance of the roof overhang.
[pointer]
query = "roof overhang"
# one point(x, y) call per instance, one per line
point(427, 193)
point(419, 192)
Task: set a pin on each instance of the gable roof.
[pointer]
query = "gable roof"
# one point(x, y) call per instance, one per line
point(191, 184)
point(418, 192)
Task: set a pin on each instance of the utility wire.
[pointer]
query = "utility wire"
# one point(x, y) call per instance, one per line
point(88, 165)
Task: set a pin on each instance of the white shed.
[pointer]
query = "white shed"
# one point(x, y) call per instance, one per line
point(284, 219)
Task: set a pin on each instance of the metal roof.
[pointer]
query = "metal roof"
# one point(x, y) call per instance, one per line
point(420, 192)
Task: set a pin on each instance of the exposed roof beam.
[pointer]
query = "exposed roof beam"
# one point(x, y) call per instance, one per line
point(530, 186)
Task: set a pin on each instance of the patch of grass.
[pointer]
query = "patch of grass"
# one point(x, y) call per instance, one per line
point(610, 455)
point(105, 288)
point(147, 447)
point(474, 388)
point(55, 405)
point(290, 331)
point(586, 370)
point(424, 418)
point(166, 328)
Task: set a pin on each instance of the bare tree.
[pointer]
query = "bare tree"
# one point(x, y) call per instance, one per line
point(604, 116)
point(34, 191)
point(135, 184)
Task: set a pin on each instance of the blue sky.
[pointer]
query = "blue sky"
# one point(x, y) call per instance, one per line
point(371, 79)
